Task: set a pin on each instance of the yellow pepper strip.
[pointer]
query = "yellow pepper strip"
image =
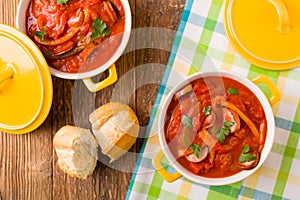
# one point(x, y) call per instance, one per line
point(87, 17)
point(243, 116)
point(58, 41)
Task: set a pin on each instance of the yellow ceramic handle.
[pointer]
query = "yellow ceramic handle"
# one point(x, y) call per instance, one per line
point(164, 173)
point(275, 92)
point(284, 24)
point(6, 73)
point(95, 87)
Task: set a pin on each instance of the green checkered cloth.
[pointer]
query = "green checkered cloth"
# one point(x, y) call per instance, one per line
point(200, 43)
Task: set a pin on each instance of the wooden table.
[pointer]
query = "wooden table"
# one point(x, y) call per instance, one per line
point(28, 163)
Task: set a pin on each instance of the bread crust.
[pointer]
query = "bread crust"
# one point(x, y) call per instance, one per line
point(115, 127)
point(77, 151)
point(65, 137)
point(103, 113)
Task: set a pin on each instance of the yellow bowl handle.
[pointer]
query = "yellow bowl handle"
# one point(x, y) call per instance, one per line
point(161, 170)
point(95, 87)
point(275, 92)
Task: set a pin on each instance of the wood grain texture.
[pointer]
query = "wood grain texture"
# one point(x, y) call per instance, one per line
point(28, 163)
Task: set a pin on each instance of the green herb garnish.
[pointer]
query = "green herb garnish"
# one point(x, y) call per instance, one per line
point(41, 34)
point(187, 121)
point(245, 149)
point(206, 110)
point(232, 91)
point(195, 148)
point(227, 124)
point(245, 156)
point(224, 131)
point(100, 29)
point(59, 2)
point(221, 133)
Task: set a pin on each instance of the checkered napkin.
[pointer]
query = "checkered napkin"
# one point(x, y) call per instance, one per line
point(200, 43)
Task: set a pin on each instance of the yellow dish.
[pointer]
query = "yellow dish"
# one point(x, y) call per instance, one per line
point(265, 32)
point(25, 83)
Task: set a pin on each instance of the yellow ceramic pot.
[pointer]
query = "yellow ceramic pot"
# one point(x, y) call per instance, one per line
point(25, 83)
point(265, 32)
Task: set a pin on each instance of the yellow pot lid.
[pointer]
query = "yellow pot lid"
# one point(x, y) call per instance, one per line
point(265, 32)
point(25, 83)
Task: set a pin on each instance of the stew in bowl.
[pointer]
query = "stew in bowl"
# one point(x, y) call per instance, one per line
point(217, 128)
point(79, 38)
point(67, 32)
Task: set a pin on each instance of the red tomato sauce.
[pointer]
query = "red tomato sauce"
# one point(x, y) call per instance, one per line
point(67, 30)
point(194, 135)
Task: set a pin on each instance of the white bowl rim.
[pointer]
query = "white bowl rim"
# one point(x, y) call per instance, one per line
point(236, 177)
point(20, 23)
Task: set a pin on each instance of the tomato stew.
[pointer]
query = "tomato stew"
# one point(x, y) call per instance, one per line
point(67, 31)
point(215, 127)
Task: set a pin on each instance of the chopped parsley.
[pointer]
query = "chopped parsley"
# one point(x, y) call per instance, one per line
point(195, 148)
point(100, 29)
point(227, 124)
point(224, 131)
point(187, 121)
point(245, 156)
point(59, 2)
point(206, 110)
point(41, 34)
point(232, 91)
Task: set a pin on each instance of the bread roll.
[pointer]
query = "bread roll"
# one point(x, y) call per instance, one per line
point(77, 152)
point(115, 127)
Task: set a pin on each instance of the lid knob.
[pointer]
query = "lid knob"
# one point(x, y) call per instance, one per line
point(283, 17)
point(6, 71)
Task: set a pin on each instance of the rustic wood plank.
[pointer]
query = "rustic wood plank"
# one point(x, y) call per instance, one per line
point(8, 12)
point(26, 164)
point(164, 16)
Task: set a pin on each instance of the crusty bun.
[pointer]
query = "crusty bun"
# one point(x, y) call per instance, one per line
point(76, 149)
point(115, 127)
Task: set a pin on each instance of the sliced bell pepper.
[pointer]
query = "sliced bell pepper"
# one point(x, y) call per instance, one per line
point(58, 41)
point(243, 116)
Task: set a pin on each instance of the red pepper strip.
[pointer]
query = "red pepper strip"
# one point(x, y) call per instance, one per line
point(93, 13)
point(110, 11)
point(84, 28)
point(118, 5)
point(243, 116)
point(41, 21)
point(58, 41)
